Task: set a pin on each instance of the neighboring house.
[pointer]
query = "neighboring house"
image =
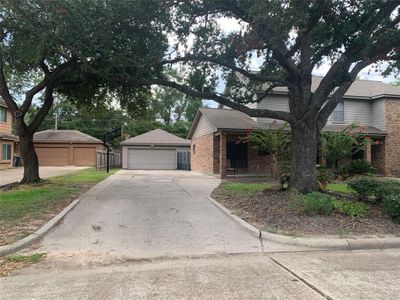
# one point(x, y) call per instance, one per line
point(373, 105)
point(66, 148)
point(153, 150)
point(8, 141)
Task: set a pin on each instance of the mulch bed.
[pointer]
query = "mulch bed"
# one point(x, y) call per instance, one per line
point(275, 211)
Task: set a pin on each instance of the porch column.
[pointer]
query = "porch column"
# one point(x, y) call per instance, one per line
point(367, 153)
point(222, 154)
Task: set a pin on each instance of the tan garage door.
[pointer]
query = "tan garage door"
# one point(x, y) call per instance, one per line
point(85, 156)
point(53, 156)
point(152, 159)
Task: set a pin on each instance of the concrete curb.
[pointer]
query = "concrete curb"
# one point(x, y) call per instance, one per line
point(319, 243)
point(26, 241)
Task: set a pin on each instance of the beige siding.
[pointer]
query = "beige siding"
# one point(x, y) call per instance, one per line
point(357, 111)
point(203, 127)
point(273, 102)
point(378, 114)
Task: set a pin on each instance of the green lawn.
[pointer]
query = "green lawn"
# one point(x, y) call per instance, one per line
point(27, 207)
point(241, 187)
point(339, 187)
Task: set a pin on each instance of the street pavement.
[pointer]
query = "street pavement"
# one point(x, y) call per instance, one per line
point(154, 235)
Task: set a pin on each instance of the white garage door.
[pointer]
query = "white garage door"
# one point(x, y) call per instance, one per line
point(152, 159)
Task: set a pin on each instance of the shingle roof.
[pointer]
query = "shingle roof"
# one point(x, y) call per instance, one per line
point(235, 120)
point(228, 118)
point(157, 137)
point(66, 136)
point(362, 89)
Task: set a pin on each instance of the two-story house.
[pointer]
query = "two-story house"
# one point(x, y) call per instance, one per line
point(373, 105)
point(7, 139)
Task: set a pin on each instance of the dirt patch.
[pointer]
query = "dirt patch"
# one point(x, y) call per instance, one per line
point(276, 211)
point(11, 232)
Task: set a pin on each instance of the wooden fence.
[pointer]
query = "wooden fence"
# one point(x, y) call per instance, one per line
point(184, 160)
point(101, 159)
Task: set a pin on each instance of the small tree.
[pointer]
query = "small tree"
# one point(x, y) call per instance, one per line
point(344, 144)
point(274, 142)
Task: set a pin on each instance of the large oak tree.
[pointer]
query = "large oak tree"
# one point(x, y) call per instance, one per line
point(289, 39)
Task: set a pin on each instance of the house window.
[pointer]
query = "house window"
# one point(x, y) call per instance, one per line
point(3, 114)
point(194, 149)
point(6, 152)
point(338, 113)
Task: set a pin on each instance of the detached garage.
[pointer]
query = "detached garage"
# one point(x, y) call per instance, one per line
point(154, 150)
point(66, 148)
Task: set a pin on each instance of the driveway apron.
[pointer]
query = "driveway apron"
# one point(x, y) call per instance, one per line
point(142, 214)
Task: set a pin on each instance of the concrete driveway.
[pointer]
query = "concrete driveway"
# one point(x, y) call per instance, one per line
point(15, 174)
point(146, 214)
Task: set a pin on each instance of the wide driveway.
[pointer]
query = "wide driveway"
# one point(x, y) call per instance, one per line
point(15, 174)
point(145, 214)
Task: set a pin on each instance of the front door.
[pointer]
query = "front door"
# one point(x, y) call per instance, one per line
point(236, 153)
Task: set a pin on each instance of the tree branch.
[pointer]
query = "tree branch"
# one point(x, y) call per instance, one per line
point(259, 113)
point(44, 110)
point(250, 75)
point(4, 91)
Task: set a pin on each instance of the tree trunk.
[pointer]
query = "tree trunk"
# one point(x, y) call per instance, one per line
point(28, 153)
point(304, 143)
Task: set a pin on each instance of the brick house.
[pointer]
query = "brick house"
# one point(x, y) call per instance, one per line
point(372, 104)
point(8, 141)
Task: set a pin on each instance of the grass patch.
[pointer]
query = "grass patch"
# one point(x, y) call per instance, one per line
point(246, 188)
point(32, 259)
point(10, 263)
point(339, 187)
point(25, 208)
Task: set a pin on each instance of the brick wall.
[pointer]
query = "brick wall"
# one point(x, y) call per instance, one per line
point(260, 164)
point(6, 127)
point(203, 155)
point(392, 140)
point(378, 157)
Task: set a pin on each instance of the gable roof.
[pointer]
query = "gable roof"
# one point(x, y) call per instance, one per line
point(64, 136)
point(157, 137)
point(222, 118)
point(230, 119)
point(360, 89)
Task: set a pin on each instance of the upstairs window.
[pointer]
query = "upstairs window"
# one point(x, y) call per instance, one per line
point(3, 114)
point(338, 113)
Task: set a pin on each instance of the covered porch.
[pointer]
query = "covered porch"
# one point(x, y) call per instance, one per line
point(233, 157)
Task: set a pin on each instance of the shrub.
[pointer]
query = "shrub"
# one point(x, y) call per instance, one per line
point(357, 167)
point(391, 206)
point(388, 187)
point(317, 203)
point(365, 186)
point(351, 209)
point(324, 176)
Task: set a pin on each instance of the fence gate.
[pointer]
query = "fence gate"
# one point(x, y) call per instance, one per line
point(183, 160)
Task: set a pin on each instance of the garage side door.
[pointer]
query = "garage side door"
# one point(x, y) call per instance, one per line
point(85, 156)
point(152, 159)
point(53, 156)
